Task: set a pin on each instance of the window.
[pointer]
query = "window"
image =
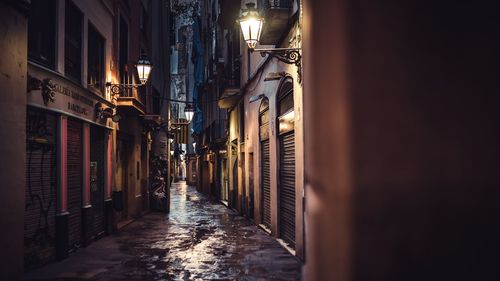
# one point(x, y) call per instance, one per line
point(42, 32)
point(95, 75)
point(286, 111)
point(285, 97)
point(123, 58)
point(73, 42)
point(264, 120)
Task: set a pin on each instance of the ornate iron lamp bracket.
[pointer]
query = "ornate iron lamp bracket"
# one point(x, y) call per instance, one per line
point(117, 89)
point(286, 55)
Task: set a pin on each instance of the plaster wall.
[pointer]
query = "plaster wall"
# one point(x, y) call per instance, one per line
point(270, 89)
point(234, 152)
point(402, 171)
point(13, 69)
point(132, 128)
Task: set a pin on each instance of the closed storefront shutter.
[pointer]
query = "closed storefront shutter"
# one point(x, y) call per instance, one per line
point(97, 180)
point(287, 188)
point(266, 184)
point(265, 162)
point(40, 192)
point(74, 183)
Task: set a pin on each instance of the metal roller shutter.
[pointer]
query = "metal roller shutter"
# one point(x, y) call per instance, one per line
point(97, 180)
point(266, 183)
point(40, 193)
point(287, 188)
point(74, 183)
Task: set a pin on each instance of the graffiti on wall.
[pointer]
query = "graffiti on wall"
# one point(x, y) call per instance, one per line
point(40, 189)
point(158, 184)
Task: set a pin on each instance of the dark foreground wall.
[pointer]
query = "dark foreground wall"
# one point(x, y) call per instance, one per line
point(404, 178)
point(13, 42)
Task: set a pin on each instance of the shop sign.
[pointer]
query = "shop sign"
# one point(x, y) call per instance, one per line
point(59, 94)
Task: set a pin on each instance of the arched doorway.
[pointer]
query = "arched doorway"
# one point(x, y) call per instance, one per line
point(265, 167)
point(286, 171)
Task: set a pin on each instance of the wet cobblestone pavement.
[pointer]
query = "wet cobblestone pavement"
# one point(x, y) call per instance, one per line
point(198, 240)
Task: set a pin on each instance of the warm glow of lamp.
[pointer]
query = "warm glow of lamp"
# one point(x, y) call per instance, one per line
point(189, 112)
point(251, 25)
point(143, 69)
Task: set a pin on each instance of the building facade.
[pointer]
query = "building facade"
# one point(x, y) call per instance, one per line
point(88, 147)
point(69, 147)
point(268, 130)
point(13, 64)
point(184, 160)
point(253, 156)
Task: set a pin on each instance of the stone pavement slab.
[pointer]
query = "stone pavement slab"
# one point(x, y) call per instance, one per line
point(198, 240)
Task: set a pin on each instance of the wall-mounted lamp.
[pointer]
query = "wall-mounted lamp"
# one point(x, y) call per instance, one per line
point(143, 67)
point(102, 113)
point(189, 112)
point(251, 26)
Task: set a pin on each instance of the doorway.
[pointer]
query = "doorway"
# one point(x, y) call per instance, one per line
point(97, 180)
point(121, 178)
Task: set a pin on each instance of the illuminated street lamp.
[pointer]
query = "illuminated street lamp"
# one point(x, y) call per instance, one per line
point(143, 67)
point(251, 25)
point(189, 112)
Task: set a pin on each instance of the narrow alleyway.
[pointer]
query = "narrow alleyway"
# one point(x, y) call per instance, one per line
point(198, 240)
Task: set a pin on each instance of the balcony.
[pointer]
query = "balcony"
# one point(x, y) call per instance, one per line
point(216, 133)
point(229, 83)
point(230, 92)
point(132, 101)
point(276, 14)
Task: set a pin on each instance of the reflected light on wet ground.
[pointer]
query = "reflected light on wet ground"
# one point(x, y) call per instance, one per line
point(199, 240)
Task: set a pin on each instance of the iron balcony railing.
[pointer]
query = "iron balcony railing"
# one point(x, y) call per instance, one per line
point(217, 131)
point(277, 4)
